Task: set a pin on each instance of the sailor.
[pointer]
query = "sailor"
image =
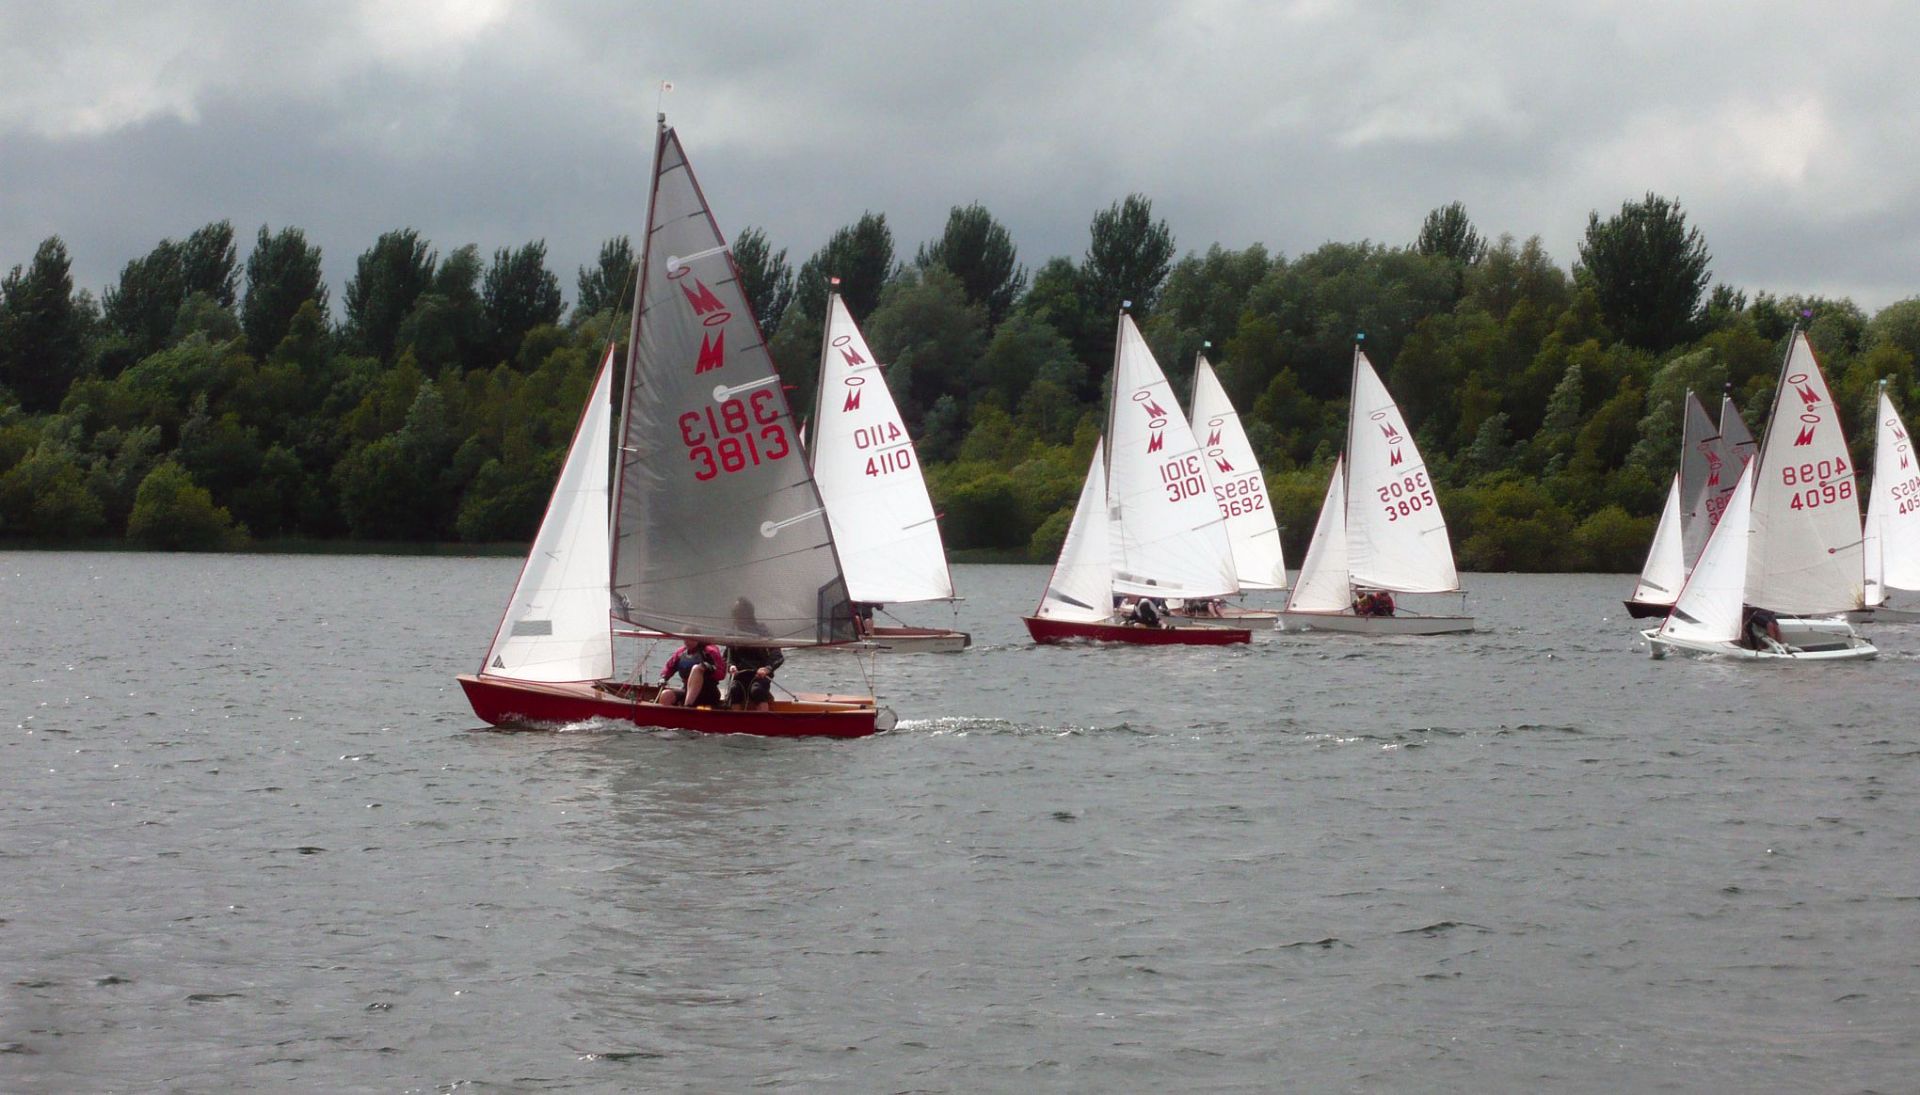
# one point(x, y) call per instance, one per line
point(752, 667)
point(698, 664)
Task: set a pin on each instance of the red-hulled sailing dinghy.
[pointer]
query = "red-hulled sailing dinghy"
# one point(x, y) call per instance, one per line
point(1146, 524)
point(717, 530)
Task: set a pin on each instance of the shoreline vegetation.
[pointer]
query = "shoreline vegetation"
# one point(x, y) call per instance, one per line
point(205, 403)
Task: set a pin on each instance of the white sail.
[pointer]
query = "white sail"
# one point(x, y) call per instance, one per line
point(1805, 557)
point(1323, 584)
point(1239, 488)
point(1708, 472)
point(1396, 537)
point(556, 626)
point(1166, 534)
point(1081, 587)
point(1666, 566)
point(1709, 607)
point(869, 476)
point(1892, 549)
point(719, 531)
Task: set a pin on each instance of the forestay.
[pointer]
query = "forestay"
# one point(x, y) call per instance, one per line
point(719, 530)
point(1666, 567)
point(1805, 557)
point(1396, 536)
point(1709, 608)
point(556, 628)
point(1893, 512)
point(1081, 587)
point(869, 476)
point(1239, 488)
point(1323, 584)
point(1166, 534)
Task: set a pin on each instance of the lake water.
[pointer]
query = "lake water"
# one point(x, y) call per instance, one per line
point(252, 838)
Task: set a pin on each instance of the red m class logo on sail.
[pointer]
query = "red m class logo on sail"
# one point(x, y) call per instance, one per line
point(853, 359)
point(712, 313)
point(1392, 433)
point(1713, 464)
point(1156, 419)
point(1809, 401)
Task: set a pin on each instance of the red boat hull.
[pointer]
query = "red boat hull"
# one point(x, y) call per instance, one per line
point(529, 704)
point(1060, 631)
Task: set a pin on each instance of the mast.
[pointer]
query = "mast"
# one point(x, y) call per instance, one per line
point(820, 369)
point(1346, 452)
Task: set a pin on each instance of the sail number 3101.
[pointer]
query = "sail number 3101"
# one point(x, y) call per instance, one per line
point(1406, 496)
point(743, 434)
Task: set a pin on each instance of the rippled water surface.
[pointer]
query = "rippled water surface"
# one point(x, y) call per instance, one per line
point(252, 838)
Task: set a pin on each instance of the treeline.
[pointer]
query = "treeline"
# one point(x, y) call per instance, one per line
point(204, 403)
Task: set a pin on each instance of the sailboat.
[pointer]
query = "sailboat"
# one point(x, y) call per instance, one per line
point(869, 478)
point(1892, 544)
point(1380, 528)
point(1788, 544)
point(1699, 493)
point(1240, 491)
point(715, 530)
point(1146, 524)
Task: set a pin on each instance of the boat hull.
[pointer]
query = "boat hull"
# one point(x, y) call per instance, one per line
point(1346, 623)
point(1059, 631)
point(1648, 610)
point(534, 705)
point(1854, 649)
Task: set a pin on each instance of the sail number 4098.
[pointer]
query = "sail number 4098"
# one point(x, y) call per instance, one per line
point(1407, 495)
point(743, 434)
point(1814, 478)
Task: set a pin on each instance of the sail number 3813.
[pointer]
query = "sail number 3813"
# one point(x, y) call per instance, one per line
point(1406, 496)
point(743, 434)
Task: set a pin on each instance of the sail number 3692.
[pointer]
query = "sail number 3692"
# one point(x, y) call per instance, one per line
point(743, 434)
point(1406, 496)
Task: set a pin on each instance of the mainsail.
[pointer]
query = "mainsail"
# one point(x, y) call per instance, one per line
point(1708, 471)
point(1239, 488)
point(869, 476)
point(555, 628)
point(1892, 549)
point(718, 530)
point(1396, 536)
point(1167, 536)
point(1805, 556)
point(1081, 587)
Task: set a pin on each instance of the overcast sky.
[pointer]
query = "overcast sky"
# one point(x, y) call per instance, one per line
point(1790, 133)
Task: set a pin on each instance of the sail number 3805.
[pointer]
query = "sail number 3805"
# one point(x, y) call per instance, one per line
point(1406, 496)
point(743, 434)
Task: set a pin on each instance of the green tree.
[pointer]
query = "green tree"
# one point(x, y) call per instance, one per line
point(283, 273)
point(388, 278)
point(1448, 233)
point(1648, 270)
point(142, 306)
point(41, 330)
point(45, 496)
point(1024, 350)
point(978, 250)
point(207, 263)
point(930, 336)
point(1128, 256)
point(861, 256)
point(1059, 298)
point(606, 287)
point(765, 278)
point(172, 512)
point(519, 294)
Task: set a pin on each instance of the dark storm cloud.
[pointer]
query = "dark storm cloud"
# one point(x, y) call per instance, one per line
point(1791, 146)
